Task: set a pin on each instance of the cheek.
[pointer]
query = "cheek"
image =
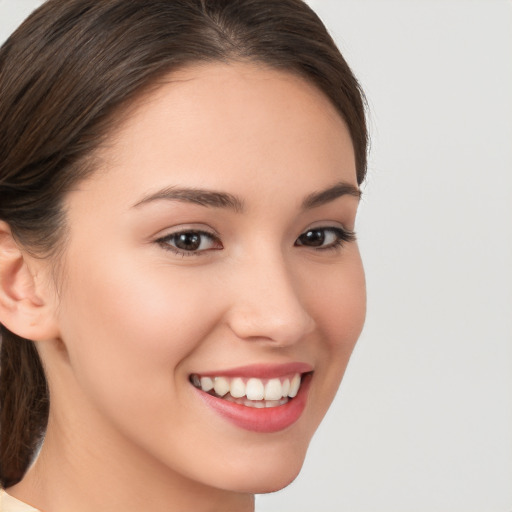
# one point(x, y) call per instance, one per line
point(338, 303)
point(131, 324)
point(339, 306)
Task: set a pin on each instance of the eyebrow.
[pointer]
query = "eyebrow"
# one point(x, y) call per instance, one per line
point(201, 197)
point(210, 198)
point(342, 188)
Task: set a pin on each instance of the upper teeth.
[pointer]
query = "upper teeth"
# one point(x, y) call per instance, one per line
point(253, 388)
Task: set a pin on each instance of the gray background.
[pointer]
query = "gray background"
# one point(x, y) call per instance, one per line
point(423, 421)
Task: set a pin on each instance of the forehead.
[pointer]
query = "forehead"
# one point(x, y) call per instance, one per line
point(237, 123)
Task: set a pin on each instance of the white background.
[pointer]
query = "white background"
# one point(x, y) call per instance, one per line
point(423, 421)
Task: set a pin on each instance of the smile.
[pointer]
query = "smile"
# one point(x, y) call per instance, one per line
point(262, 398)
point(251, 392)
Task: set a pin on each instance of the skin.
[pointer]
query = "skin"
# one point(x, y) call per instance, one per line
point(133, 319)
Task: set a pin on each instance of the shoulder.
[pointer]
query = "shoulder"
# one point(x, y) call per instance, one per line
point(10, 504)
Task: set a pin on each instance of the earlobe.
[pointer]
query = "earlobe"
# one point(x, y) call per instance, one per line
point(23, 309)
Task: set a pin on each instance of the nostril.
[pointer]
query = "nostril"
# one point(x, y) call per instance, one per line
point(284, 326)
point(267, 305)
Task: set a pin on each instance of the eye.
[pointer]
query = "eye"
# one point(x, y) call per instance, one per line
point(325, 238)
point(190, 242)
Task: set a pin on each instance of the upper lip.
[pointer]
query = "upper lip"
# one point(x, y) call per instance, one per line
point(261, 371)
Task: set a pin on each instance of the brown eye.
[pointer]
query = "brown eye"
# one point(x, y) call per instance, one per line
point(312, 238)
point(187, 241)
point(325, 238)
point(190, 242)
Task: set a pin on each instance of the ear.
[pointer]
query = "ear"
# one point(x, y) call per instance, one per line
point(27, 306)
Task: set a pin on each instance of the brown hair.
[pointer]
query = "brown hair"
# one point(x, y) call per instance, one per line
point(66, 73)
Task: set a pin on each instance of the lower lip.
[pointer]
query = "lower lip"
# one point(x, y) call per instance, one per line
point(266, 420)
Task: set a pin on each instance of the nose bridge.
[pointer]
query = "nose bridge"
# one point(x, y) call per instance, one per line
point(266, 301)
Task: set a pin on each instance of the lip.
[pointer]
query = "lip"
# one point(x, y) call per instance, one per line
point(261, 371)
point(265, 420)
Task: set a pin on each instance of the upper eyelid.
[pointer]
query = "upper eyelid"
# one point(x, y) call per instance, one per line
point(165, 242)
point(197, 231)
point(327, 224)
point(213, 234)
point(164, 239)
point(176, 230)
point(342, 229)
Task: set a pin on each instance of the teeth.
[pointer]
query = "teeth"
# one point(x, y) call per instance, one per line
point(294, 386)
point(286, 387)
point(254, 389)
point(275, 403)
point(221, 386)
point(273, 390)
point(237, 388)
point(206, 384)
point(258, 404)
point(255, 392)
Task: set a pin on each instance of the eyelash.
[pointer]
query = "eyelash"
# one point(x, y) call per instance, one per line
point(342, 235)
point(165, 242)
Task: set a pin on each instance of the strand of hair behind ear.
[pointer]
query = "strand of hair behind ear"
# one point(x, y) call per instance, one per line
point(22, 388)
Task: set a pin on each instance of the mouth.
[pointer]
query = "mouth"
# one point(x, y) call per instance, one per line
point(258, 398)
point(250, 392)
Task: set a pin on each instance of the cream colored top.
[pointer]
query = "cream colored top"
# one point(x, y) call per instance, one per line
point(10, 504)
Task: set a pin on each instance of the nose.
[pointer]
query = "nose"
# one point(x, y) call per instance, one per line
point(266, 303)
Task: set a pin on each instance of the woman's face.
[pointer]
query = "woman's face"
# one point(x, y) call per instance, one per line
point(212, 247)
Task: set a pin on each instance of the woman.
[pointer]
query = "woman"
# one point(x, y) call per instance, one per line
point(181, 288)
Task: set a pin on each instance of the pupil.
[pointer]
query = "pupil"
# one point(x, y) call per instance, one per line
point(188, 241)
point(314, 237)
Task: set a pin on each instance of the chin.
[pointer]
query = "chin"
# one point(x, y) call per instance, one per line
point(265, 484)
point(266, 487)
point(268, 476)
